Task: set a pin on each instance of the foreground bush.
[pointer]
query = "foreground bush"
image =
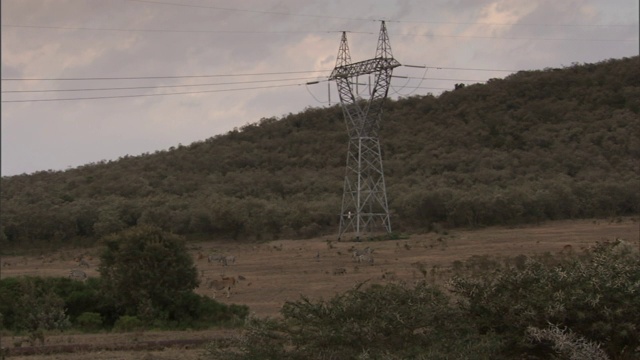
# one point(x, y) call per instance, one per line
point(581, 308)
point(595, 296)
point(89, 321)
point(392, 322)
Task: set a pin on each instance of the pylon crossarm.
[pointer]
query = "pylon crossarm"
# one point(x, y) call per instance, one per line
point(364, 67)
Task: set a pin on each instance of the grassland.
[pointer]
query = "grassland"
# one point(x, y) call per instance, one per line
point(277, 271)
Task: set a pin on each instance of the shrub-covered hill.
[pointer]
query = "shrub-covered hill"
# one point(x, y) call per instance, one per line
point(537, 145)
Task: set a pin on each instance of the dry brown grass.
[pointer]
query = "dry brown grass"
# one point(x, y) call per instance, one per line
point(284, 270)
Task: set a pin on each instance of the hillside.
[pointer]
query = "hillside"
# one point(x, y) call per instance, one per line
point(535, 146)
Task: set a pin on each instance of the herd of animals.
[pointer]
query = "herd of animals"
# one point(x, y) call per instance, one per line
point(226, 283)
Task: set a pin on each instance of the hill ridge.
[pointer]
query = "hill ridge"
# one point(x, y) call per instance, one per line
point(538, 145)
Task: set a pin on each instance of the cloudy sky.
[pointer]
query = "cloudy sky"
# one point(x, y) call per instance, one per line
point(91, 80)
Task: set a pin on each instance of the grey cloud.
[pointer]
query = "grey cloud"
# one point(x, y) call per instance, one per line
point(55, 135)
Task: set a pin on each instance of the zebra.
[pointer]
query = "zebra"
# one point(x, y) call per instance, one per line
point(225, 283)
point(357, 253)
point(77, 274)
point(214, 258)
point(339, 271)
point(365, 258)
point(226, 260)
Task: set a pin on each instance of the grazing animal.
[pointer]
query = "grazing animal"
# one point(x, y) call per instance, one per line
point(214, 258)
point(225, 283)
point(357, 253)
point(339, 271)
point(222, 259)
point(84, 263)
point(77, 274)
point(368, 258)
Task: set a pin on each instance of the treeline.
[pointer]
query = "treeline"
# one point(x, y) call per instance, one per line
point(535, 146)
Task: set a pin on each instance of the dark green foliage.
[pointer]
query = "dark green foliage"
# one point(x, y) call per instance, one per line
point(595, 296)
point(36, 308)
point(74, 297)
point(89, 321)
point(10, 290)
point(535, 146)
point(391, 322)
point(128, 323)
point(86, 306)
point(147, 272)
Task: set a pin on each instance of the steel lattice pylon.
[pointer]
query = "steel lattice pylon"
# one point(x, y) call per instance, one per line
point(364, 200)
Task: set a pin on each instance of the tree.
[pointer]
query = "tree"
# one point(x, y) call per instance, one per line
point(39, 309)
point(147, 273)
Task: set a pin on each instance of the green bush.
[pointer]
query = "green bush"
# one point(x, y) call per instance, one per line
point(391, 322)
point(594, 296)
point(10, 290)
point(89, 321)
point(38, 309)
point(127, 323)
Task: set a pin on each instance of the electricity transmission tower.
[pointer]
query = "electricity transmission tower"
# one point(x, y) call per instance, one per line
point(364, 200)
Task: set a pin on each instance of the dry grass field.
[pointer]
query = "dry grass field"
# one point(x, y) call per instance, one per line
point(275, 272)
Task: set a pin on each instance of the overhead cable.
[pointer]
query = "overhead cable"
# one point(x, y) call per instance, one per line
point(428, 35)
point(162, 77)
point(266, 12)
point(149, 95)
point(157, 86)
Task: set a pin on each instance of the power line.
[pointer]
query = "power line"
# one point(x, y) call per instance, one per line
point(233, 75)
point(149, 95)
point(374, 19)
point(163, 77)
point(517, 38)
point(510, 24)
point(443, 79)
point(174, 31)
point(210, 84)
point(313, 32)
point(469, 69)
point(156, 87)
point(219, 90)
point(251, 10)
